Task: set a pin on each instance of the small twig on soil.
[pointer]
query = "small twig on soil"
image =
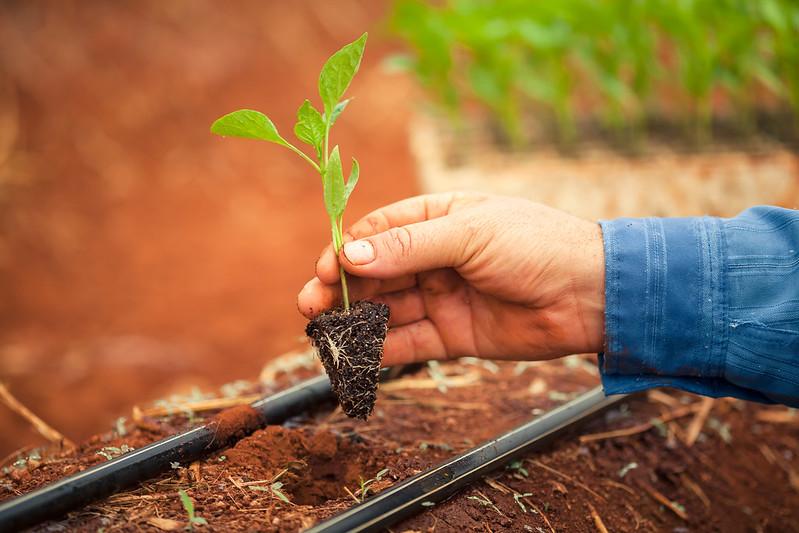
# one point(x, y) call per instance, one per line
point(643, 427)
point(635, 514)
point(774, 458)
point(696, 489)
point(621, 486)
point(353, 496)
point(42, 427)
point(676, 431)
point(600, 525)
point(430, 402)
point(164, 524)
point(540, 513)
point(696, 425)
point(464, 380)
point(786, 416)
point(491, 503)
point(194, 469)
point(659, 396)
point(193, 407)
point(498, 485)
point(661, 499)
point(564, 476)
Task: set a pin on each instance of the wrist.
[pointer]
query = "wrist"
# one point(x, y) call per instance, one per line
point(590, 291)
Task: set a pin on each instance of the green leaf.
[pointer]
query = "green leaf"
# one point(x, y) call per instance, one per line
point(199, 520)
point(351, 182)
point(279, 493)
point(338, 71)
point(247, 124)
point(187, 503)
point(334, 189)
point(310, 127)
point(338, 110)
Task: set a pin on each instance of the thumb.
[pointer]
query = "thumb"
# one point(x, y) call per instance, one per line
point(402, 250)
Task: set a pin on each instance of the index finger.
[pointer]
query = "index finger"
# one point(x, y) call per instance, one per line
point(401, 213)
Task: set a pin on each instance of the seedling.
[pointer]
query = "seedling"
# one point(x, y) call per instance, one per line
point(313, 128)
point(519, 469)
point(348, 341)
point(361, 493)
point(485, 501)
point(548, 58)
point(188, 506)
point(275, 488)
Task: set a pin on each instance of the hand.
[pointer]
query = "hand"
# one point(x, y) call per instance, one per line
point(468, 274)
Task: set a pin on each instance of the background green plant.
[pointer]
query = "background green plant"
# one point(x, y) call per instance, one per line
point(604, 59)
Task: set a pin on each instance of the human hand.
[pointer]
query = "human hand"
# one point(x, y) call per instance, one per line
point(469, 274)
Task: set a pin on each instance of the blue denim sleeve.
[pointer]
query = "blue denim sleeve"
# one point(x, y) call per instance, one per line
point(708, 305)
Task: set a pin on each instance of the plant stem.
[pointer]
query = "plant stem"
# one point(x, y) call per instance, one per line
point(302, 154)
point(338, 243)
point(336, 225)
point(345, 296)
point(327, 138)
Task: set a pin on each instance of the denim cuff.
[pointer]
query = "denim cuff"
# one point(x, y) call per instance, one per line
point(664, 305)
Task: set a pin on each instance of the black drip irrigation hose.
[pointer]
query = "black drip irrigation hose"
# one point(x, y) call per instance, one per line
point(439, 483)
point(107, 478)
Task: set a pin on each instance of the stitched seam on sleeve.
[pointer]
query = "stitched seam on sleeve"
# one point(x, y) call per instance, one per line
point(720, 318)
point(705, 317)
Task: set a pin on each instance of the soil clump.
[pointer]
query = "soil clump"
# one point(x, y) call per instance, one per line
point(350, 346)
point(235, 422)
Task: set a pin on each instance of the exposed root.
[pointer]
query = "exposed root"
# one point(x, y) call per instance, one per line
point(335, 352)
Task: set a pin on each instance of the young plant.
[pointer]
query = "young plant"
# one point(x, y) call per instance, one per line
point(348, 340)
point(188, 506)
point(365, 485)
point(313, 128)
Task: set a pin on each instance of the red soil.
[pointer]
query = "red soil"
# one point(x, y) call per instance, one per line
point(740, 475)
point(235, 422)
point(140, 255)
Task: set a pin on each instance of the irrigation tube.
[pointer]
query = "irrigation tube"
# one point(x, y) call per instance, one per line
point(107, 478)
point(435, 485)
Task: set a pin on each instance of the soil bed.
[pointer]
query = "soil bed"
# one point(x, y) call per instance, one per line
point(739, 475)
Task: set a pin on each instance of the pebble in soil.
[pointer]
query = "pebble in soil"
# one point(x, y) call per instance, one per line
point(350, 345)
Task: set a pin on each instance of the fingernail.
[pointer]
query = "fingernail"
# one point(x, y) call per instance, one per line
point(359, 252)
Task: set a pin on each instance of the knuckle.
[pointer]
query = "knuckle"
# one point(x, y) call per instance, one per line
point(400, 241)
point(375, 222)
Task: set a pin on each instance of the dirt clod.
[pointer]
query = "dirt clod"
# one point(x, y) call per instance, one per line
point(237, 421)
point(350, 345)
